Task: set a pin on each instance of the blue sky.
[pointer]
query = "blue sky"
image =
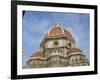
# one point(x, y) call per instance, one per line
point(36, 24)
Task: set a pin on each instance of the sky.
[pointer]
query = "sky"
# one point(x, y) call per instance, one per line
point(36, 24)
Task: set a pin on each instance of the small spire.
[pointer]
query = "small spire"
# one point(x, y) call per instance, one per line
point(58, 24)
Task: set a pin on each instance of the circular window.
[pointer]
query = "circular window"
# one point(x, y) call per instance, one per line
point(55, 43)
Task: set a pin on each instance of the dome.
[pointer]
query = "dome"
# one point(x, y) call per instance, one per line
point(55, 31)
point(38, 54)
point(74, 50)
point(58, 31)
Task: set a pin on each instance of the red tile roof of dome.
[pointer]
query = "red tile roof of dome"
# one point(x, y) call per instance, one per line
point(59, 31)
point(67, 34)
point(55, 31)
point(73, 50)
point(38, 54)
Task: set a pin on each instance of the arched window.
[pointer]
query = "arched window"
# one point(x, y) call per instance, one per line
point(81, 59)
point(50, 52)
point(54, 51)
point(76, 60)
point(59, 51)
point(72, 61)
